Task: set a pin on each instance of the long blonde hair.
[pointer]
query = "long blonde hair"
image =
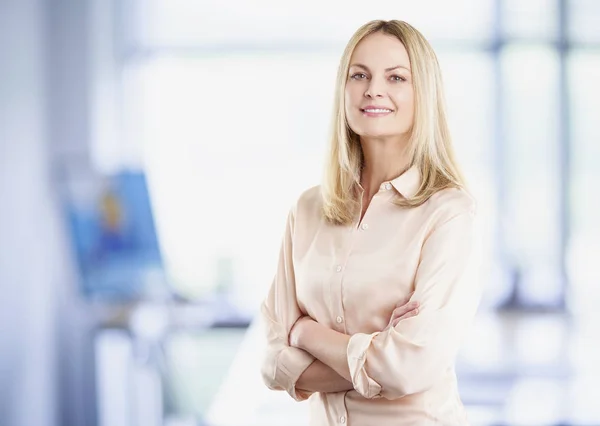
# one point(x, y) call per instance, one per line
point(430, 145)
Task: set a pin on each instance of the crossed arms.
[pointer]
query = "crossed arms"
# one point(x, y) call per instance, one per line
point(407, 357)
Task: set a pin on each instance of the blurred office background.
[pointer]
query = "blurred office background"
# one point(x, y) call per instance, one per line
point(150, 150)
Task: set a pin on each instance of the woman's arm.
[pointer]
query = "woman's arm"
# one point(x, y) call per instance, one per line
point(330, 348)
point(325, 344)
point(283, 364)
point(286, 367)
point(412, 355)
point(322, 378)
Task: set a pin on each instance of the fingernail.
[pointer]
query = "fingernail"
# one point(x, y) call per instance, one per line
point(416, 311)
point(414, 304)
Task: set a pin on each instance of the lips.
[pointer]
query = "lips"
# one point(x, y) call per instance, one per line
point(375, 108)
point(375, 111)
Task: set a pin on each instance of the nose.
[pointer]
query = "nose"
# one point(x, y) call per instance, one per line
point(375, 89)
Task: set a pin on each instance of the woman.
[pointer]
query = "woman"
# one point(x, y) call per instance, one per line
point(391, 222)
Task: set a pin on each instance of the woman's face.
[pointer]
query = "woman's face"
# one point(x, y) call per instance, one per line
point(379, 93)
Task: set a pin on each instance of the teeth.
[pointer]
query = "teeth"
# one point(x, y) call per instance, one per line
point(378, 110)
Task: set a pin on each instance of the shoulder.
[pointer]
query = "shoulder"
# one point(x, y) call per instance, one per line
point(310, 197)
point(306, 211)
point(451, 202)
point(308, 203)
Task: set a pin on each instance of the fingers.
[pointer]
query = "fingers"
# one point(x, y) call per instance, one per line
point(405, 300)
point(409, 314)
point(403, 312)
point(404, 309)
point(398, 312)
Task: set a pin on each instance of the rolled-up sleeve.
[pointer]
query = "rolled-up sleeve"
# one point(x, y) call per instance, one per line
point(412, 356)
point(282, 363)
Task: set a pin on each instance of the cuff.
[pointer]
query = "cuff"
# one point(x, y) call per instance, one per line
point(357, 357)
point(291, 363)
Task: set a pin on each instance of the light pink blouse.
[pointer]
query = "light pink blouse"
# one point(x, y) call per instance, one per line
point(350, 278)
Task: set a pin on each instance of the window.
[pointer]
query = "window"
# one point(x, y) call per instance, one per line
point(584, 249)
point(583, 18)
point(229, 144)
point(312, 24)
point(533, 19)
point(531, 141)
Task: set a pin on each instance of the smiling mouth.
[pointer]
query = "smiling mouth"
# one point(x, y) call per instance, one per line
point(376, 112)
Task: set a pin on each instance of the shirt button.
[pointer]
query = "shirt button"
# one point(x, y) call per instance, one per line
point(339, 268)
point(343, 419)
point(364, 226)
point(388, 186)
point(339, 320)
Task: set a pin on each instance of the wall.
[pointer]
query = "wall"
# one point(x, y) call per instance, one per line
point(42, 118)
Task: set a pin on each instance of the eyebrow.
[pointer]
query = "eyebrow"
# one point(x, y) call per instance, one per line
point(386, 70)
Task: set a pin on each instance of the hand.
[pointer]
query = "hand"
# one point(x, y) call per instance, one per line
point(297, 331)
point(404, 309)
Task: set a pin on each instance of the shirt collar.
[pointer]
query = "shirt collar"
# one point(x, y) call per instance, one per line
point(408, 183)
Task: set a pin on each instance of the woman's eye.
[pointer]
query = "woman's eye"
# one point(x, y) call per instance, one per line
point(397, 78)
point(358, 76)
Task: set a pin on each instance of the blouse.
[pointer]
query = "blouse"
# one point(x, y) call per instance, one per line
point(350, 278)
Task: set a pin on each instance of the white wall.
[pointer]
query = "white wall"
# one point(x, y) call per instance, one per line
point(28, 231)
point(36, 286)
point(67, 77)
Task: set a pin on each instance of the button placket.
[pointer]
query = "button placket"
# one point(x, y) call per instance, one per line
point(337, 403)
point(337, 282)
point(341, 264)
point(338, 308)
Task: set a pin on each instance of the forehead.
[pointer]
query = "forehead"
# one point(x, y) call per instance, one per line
point(380, 50)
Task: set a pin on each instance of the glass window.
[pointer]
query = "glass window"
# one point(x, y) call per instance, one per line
point(530, 103)
point(584, 19)
point(469, 82)
point(530, 19)
point(248, 132)
point(584, 249)
point(211, 23)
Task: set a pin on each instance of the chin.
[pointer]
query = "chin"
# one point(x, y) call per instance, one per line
point(376, 133)
point(381, 132)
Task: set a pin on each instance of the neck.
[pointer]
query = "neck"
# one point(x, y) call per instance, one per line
point(384, 160)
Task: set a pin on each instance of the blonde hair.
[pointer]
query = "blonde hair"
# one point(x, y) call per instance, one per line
point(430, 145)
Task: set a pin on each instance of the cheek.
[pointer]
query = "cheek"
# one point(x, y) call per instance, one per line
point(352, 100)
point(404, 99)
point(352, 95)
